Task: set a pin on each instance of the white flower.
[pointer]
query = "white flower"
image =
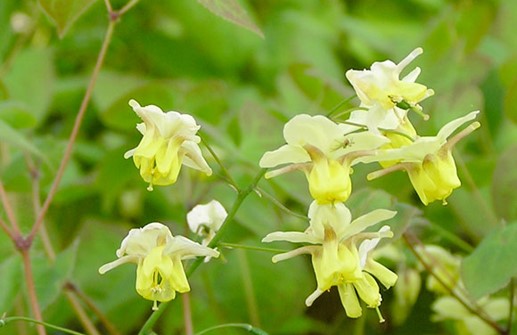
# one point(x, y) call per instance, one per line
point(205, 220)
point(169, 140)
point(324, 151)
point(158, 256)
point(385, 96)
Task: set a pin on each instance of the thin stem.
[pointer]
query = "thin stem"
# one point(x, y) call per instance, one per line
point(110, 328)
point(187, 314)
point(451, 237)
point(108, 6)
point(127, 7)
point(81, 314)
point(245, 326)
point(9, 212)
point(512, 304)
point(280, 205)
point(31, 289)
point(251, 301)
point(75, 131)
point(146, 328)
point(7, 230)
point(339, 105)
point(471, 306)
point(227, 175)
point(6, 320)
point(249, 247)
point(236, 205)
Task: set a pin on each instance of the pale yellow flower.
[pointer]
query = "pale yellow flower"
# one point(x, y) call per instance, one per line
point(341, 257)
point(158, 256)
point(324, 151)
point(467, 323)
point(385, 96)
point(169, 140)
point(428, 161)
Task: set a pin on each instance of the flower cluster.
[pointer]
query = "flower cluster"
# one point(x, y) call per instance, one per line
point(169, 140)
point(325, 151)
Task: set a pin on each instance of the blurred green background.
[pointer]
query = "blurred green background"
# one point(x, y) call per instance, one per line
point(241, 88)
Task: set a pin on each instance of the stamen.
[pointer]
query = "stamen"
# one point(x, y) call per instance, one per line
point(381, 319)
point(155, 305)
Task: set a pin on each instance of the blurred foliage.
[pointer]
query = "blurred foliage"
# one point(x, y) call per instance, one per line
point(242, 88)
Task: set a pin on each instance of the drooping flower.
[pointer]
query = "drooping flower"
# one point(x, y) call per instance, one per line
point(158, 256)
point(169, 140)
point(428, 161)
point(205, 220)
point(468, 323)
point(341, 254)
point(385, 98)
point(324, 151)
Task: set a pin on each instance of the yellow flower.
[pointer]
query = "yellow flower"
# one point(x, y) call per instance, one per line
point(169, 140)
point(385, 96)
point(428, 161)
point(340, 251)
point(324, 151)
point(158, 256)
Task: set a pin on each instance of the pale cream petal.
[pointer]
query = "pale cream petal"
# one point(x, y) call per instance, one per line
point(286, 154)
point(123, 260)
point(194, 158)
point(294, 253)
point(314, 295)
point(291, 236)
point(367, 220)
point(140, 241)
point(451, 127)
point(317, 131)
point(184, 248)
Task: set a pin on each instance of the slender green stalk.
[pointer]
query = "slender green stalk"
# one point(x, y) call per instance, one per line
point(6, 320)
point(227, 176)
point(512, 304)
point(249, 247)
point(245, 326)
point(451, 237)
point(146, 328)
point(280, 205)
point(338, 106)
point(249, 292)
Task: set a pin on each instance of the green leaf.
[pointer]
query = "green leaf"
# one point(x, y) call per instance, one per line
point(30, 81)
point(491, 266)
point(13, 137)
point(65, 12)
point(504, 185)
point(50, 277)
point(11, 272)
point(16, 114)
point(231, 11)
